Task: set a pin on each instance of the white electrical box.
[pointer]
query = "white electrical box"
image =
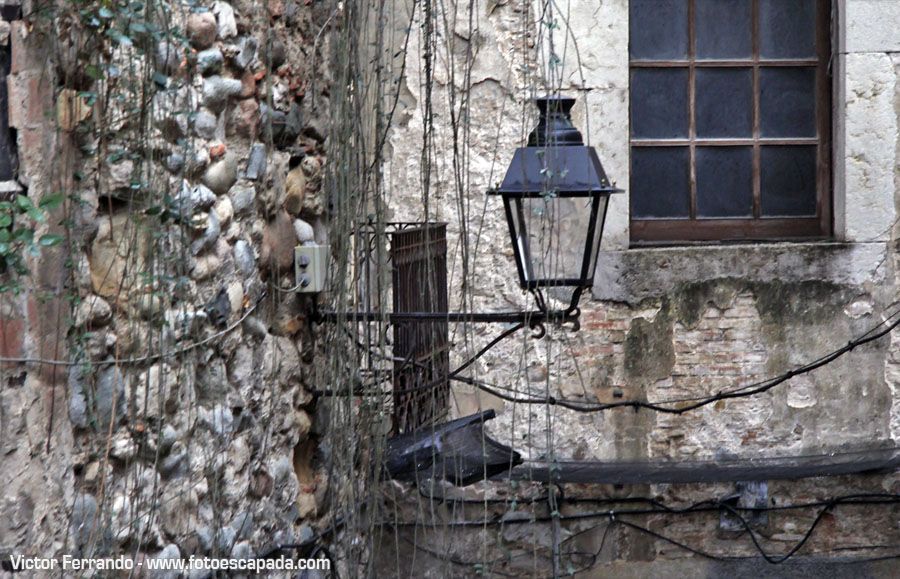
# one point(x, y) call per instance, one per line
point(310, 267)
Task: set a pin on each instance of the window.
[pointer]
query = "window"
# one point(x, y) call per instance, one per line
point(730, 120)
point(8, 13)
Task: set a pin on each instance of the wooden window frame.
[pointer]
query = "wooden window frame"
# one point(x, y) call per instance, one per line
point(694, 229)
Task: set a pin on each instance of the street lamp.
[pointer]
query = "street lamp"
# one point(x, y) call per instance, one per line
point(556, 195)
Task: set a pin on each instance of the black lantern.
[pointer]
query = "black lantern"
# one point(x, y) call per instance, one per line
point(556, 195)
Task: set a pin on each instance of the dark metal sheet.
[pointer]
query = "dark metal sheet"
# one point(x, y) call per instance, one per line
point(736, 469)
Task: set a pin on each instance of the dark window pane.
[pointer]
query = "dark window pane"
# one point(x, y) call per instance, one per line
point(658, 29)
point(787, 28)
point(7, 140)
point(722, 29)
point(788, 181)
point(659, 182)
point(787, 102)
point(724, 102)
point(659, 106)
point(724, 182)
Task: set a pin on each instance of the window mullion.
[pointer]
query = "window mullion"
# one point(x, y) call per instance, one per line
point(692, 128)
point(754, 38)
point(823, 113)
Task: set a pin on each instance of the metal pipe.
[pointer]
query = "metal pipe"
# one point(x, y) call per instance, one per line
point(532, 319)
point(529, 318)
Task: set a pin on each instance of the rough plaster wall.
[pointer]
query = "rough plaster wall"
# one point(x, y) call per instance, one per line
point(593, 49)
point(871, 145)
point(507, 70)
point(873, 98)
point(629, 553)
point(210, 452)
point(491, 104)
point(501, 78)
point(741, 334)
point(601, 66)
point(678, 322)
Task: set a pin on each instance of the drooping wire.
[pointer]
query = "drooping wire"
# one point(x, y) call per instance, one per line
point(658, 508)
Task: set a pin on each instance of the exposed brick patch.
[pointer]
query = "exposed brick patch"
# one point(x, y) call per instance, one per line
point(723, 350)
point(12, 336)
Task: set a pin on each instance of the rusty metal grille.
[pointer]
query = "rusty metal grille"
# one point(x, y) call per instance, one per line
point(421, 348)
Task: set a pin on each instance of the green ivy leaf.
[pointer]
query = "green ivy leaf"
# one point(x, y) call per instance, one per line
point(4, 249)
point(105, 13)
point(26, 206)
point(93, 71)
point(5, 219)
point(24, 203)
point(24, 235)
point(50, 239)
point(89, 96)
point(51, 202)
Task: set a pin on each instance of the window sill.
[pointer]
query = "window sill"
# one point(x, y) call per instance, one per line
point(636, 274)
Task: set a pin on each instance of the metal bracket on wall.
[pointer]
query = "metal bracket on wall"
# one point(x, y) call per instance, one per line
point(310, 267)
point(534, 319)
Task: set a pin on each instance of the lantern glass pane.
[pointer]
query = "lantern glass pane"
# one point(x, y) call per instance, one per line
point(519, 241)
point(551, 237)
point(598, 234)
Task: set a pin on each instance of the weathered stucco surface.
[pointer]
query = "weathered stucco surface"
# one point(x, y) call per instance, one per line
point(213, 452)
point(631, 276)
point(679, 322)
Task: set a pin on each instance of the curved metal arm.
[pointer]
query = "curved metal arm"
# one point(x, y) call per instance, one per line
point(534, 319)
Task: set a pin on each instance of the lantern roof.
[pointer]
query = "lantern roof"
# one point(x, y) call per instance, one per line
point(556, 161)
point(562, 170)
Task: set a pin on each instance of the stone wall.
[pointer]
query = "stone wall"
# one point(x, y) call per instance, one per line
point(158, 373)
point(155, 384)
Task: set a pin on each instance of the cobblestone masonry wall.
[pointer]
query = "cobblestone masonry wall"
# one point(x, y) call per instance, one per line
point(183, 427)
